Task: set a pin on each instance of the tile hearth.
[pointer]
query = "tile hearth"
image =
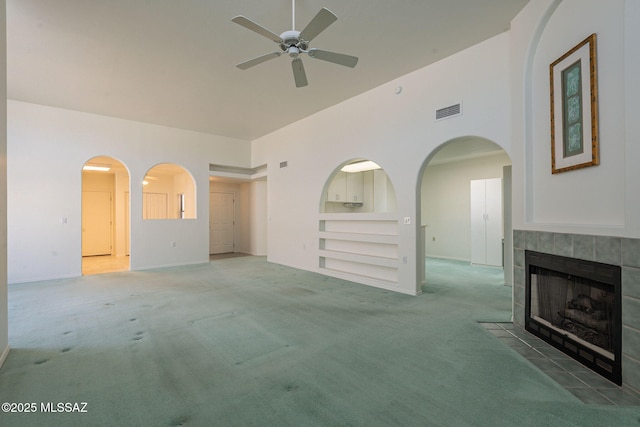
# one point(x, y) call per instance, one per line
point(583, 383)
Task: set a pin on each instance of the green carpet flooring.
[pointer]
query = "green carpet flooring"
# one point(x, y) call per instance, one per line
point(242, 342)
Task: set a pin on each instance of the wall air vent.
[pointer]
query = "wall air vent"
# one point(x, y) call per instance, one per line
point(450, 111)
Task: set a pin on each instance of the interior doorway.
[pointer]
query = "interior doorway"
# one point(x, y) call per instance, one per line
point(221, 223)
point(237, 216)
point(105, 216)
point(97, 221)
point(449, 186)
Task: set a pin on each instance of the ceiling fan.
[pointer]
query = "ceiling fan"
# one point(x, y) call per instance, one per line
point(294, 43)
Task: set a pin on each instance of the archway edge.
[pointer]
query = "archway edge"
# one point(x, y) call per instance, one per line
point(120, 215)
point(187, 190)
point(462, 148)
point(104, 157)
point(486, 143)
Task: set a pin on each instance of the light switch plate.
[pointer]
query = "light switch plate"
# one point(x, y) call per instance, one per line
point(407, 220)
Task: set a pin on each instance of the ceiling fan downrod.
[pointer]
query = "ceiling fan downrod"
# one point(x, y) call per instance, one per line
point(293, 15)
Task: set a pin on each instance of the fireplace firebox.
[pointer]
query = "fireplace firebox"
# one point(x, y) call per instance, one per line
point(575, 305)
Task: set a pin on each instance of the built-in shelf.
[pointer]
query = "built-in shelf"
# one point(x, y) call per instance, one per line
point(360, 247)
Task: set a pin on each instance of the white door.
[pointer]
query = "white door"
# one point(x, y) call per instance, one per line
point(96, 223)
point(478, 228)
point(221, 223)
point(494, 221)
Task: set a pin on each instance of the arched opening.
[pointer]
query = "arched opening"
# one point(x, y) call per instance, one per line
point(105, 216)
point(358, 230)
point(168, 192)
point(465, 215)
point(359, 186)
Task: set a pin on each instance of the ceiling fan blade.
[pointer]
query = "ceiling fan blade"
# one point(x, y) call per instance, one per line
point(318, 24)
point(249, 24)
point(259, 60)
point(336, 58)
point(298, 73)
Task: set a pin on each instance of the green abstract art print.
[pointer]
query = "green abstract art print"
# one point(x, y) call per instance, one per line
point(574, 108)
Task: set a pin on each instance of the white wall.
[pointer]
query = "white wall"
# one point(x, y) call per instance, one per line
point(258, 218)
point(446, 203)
point(48, 146)
point(396, 131)
point(601, 200)
point(121, 218)
point(4, 309)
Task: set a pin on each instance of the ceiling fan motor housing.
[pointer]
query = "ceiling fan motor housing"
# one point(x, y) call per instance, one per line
point(291, 39)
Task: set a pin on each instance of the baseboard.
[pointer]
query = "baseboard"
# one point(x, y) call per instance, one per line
point(448, 258)
point(162, 266)
point(4, 355)
point(43, 279)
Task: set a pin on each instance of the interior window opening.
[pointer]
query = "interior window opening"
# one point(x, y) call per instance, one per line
point(360, 186)
point(168, 192)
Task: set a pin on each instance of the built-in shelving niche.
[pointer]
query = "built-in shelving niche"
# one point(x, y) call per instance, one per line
point(360, 247)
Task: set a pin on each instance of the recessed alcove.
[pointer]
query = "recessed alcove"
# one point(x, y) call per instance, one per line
point(358, 229)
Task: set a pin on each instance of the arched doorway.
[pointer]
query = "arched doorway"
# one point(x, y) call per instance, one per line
point(105, 216)
point(465, 213)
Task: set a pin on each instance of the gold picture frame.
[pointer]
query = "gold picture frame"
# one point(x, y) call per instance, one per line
point(574, 108)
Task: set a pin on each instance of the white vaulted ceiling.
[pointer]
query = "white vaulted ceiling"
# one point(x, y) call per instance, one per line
point(172, 62)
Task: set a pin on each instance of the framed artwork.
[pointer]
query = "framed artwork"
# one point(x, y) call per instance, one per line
point(574, 108)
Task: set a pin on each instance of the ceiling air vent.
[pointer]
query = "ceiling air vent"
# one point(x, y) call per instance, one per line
point(450, 111)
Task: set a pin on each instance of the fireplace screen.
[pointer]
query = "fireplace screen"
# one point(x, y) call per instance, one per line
point(575, 306)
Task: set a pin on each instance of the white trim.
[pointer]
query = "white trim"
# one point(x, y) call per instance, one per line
point(45, 278)
point(159, 267)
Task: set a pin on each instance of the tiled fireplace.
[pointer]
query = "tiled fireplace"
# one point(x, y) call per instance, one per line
point(622, 253)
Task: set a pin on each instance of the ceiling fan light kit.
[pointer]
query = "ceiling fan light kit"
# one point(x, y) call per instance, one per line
point(295, 43)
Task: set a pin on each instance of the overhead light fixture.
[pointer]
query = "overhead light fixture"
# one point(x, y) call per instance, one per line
point(97, 167)
point(365, 165)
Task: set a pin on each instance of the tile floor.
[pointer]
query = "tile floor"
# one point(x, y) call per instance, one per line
point(586, 385)
point(104, 264)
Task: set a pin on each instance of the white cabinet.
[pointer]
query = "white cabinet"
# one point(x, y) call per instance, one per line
point(486, 221)
point(355, 187)
point(338, 188)
point(346, 187)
